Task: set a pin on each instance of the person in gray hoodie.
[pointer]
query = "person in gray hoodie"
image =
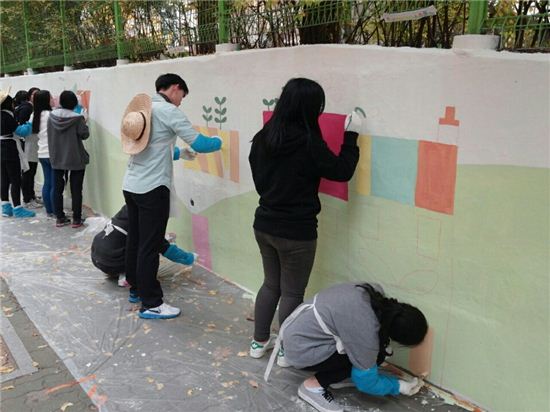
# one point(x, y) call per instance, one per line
point(66, 131)
point(344, 332)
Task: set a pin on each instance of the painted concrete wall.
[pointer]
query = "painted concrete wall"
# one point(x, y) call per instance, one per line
point(449, 207)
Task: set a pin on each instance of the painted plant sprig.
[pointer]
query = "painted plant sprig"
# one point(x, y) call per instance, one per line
point(207, 116)
point(220, 111)
point(270, 103)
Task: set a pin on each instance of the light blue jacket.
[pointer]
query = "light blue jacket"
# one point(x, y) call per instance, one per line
point(153, 166)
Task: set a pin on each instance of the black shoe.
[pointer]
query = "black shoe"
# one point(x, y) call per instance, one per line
point(64, 221)
point(77, 223)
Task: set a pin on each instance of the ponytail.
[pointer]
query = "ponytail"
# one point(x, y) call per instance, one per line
point(399, 321)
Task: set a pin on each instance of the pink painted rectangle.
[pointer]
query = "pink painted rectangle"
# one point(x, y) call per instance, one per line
point(201, 240)
point(332, 129)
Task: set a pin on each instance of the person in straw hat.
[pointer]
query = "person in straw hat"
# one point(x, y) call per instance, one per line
point(13, 159)
point(148, 133)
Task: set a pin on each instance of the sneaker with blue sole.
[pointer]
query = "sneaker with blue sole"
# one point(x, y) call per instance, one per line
point(133, 297)
point(163, 311)
point(22, 213)
point(7, 210)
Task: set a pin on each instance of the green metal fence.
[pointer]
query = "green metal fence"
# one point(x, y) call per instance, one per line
point(49, 34)
point(522, 26)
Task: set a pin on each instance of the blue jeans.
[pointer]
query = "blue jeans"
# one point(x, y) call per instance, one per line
point(48, 187)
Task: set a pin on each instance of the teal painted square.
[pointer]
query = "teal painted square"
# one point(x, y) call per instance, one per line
point(393, 169)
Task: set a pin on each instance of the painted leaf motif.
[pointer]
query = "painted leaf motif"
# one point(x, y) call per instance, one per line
point(266, 102)
point(217, 100)
point(209, 118)
point(224, 110)
point(205, 117)
point(206, 109)
point(224, 99)
point(217, 111)
point(224, 119)
point(217, 120)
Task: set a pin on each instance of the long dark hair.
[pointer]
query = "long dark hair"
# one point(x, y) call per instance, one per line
point(400, 322)
point(41, 103)
point(300, 104)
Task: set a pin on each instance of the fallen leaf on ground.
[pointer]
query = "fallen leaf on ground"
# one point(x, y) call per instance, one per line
point(150, 380)
point(212, 292)
point(6, 369)
point(252, 383)
point(42, 346)
point(242, 354)
point(35, 364)
point(65, 406)
point(7, 388)
point(160, 386)
point(190, 392)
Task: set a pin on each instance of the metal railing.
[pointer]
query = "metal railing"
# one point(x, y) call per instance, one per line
point(49, 34)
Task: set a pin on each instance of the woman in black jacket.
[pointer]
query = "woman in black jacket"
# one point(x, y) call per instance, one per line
point(288, 159)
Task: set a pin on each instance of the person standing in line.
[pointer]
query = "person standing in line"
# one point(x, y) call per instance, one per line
point(148, 133)
point(66, 131)
point(42, 109)
point(288, 158)
point(12, 160)
point(23, 114)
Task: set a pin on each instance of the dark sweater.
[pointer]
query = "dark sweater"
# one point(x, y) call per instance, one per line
point(23, 112)
point(66, 131)
point(288, 181)
point(108, 250)
point(8, 147)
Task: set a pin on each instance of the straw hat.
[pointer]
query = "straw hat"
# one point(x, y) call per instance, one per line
point(135, 127)
point(4, 94)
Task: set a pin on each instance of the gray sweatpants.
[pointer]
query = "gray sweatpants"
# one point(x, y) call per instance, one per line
point(287, 265)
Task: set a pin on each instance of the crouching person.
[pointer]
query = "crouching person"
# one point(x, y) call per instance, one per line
point(109, 249)
point(344, 332)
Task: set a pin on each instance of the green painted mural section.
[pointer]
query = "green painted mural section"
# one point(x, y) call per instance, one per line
point(480, 275)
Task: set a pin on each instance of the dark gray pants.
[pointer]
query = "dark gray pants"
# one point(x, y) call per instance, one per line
point(287, 265)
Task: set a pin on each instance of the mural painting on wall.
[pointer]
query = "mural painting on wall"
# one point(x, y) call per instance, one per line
point(225, 163)
point(211, 177)
point(420, 173)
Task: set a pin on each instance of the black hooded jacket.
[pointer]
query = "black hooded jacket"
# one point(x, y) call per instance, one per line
point(288, 180)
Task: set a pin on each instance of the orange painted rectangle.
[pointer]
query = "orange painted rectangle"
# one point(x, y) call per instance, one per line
point(234, 156)
point(420, 357)
point(436, 176)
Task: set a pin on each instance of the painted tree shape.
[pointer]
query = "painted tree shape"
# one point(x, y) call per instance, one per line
point(207, 116)
point(220, 111)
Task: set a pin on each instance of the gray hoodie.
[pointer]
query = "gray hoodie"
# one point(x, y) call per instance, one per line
point(346, 310)
point(66, 131)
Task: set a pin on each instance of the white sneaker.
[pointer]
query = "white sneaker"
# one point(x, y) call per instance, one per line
point(163, 311)
point(322, 401)
point(122, 282)
point(281, 360)
point(33, 205)
point(257, 349)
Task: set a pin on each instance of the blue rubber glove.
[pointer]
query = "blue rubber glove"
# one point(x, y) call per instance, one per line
point(24, 130)
point(175, 254)
point(205, 144)
point(373, 383)
point(176, 153)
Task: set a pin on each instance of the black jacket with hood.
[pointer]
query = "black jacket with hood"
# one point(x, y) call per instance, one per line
point(288, 180)
point(66, 131)
point(109, 246)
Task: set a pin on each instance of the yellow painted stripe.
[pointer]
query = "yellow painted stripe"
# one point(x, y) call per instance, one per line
point(364, 166)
